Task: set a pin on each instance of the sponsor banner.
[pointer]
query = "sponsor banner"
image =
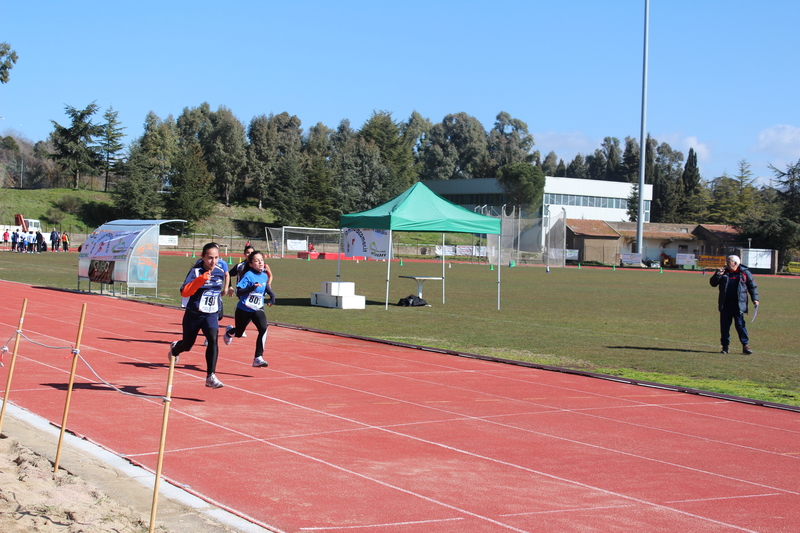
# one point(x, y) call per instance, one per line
point(684, 259)
point(463, 250)
point(109, 245)
point(168, 240)
point(572, 255)
point(794, 268)
point(631, 259)
point(297, 245)
point(372, 243)
point(711, 261)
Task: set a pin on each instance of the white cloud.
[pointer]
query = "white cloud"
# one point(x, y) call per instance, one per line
point(565, 145)
point(781, 141)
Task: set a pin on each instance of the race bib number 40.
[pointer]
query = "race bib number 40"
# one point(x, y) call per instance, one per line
point(255, 301)
point(209, 302)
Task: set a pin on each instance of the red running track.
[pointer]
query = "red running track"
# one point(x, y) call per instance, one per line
point(341, 435)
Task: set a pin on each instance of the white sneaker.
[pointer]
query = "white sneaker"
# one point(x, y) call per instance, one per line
point(205, 342)
point(228, 335)
point(213, 382)
point(244, 334)
point(169, 353)
point(259, 362)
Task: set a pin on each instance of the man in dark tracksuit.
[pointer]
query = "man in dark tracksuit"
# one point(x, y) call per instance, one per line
point(734, 282)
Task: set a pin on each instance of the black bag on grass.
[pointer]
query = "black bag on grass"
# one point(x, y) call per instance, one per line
point(412, 301)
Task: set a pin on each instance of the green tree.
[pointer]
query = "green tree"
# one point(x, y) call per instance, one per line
point(779, 228)
point(509, 141)
point(457, 148)
point(397, 154)
point(633, 203)
point(225, 152)
point(667, 186)
point(318, 210)
point(550, 164)
point(280, 150)
point(288, 188)
point(630, 161)
point(8, 58)
point(596, 165)
point(695, 195)
point(561, 169)
point(359, 176)
point(110, 142)
point(613, 157)
point(523, 183)
point(157, 148)
point(746, 192)
point(577, 168)
point(261, 157)
point(73, 146)
point(723, 206)
point(415, 134)
point(190, 195)
point(137, 195)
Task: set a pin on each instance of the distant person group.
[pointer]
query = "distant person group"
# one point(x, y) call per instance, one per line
point(202, 291)
point(30, 242)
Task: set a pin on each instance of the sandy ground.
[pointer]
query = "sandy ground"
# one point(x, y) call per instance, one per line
point(85, 496)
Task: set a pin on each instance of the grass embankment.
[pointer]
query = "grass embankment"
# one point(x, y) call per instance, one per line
point(640, 324)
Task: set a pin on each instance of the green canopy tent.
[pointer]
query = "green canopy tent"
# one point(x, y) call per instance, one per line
point(420, 209)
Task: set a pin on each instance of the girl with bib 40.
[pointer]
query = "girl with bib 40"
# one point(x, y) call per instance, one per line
point(201, 296)
point(251, 290)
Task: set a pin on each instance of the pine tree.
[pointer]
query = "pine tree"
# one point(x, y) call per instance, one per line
point(190, 195)
point(110, 144)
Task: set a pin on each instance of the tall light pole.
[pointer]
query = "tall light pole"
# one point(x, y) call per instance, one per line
point(643, 133)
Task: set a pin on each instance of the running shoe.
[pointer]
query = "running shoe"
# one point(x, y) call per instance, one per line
point(244, 334)
point(213, 382)
point(169, 353)
point(746, 349)
point(205, 342)
point(259, 362)
point(228, 335)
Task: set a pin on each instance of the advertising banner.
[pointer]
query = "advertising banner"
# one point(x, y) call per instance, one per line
point(105, 245)
point(297, 245)
point(631, 259)
point(372, 243)
point(711, 261)
point(684, 259)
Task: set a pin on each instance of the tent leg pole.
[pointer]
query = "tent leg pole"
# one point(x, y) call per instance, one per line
point(444, 251)
point(388, 269)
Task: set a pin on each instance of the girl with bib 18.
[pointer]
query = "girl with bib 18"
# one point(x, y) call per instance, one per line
point(201, 298)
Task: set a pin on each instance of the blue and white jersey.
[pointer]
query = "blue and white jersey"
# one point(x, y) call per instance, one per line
point(206, 299)
point(254, 300)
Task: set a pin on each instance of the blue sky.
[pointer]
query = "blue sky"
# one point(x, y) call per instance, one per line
point(723, 74)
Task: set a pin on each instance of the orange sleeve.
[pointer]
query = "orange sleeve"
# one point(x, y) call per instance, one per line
point(198, 282)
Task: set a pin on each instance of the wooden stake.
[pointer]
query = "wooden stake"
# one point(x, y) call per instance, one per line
point(162, 445)
point(69, 388)
point(12, 363)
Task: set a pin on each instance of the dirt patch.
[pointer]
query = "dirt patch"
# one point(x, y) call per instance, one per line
point(33, 498)
point(86, 495)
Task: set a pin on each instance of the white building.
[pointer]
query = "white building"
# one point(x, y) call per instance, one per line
point(581, 199)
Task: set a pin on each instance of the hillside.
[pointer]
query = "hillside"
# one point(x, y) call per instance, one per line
point(82, 211)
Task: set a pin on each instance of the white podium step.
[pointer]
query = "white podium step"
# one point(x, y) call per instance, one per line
point(339, 288)
point(339, 302)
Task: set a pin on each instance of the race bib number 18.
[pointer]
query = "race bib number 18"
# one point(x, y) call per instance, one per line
point(209, 302)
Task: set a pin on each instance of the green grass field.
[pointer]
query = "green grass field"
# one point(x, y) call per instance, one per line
point(640, 324)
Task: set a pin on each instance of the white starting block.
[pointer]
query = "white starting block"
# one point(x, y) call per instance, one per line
point(339, 295)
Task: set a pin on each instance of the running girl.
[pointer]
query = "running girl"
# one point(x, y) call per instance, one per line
point(201, 296)
point(250, 290)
